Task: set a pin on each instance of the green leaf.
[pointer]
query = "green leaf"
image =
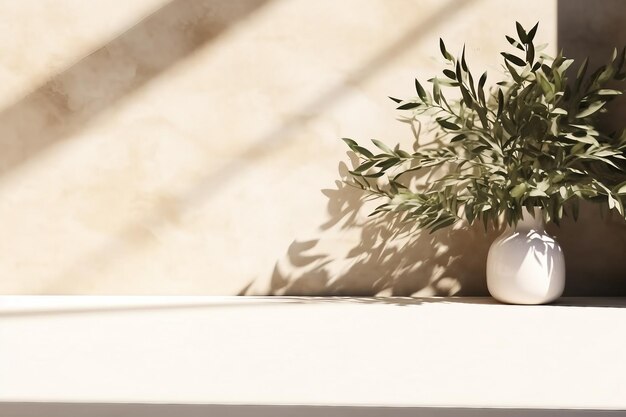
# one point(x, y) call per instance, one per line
point(620, 189)
point(518, 190)
point(444, 81)
point(564, 66)
point(513, 59)
point(459, 74)
point(537, 193)
point(470, 82)
point(467, 98)
point(397, 100)
point(463, 63)
point(530, 53)
point(450, 74)
point(516, 77)
point(481, 84)
point(387, 163)
point(614, 203)
point(412, 169)
point(510, 141)
point(408, 106)
point(482, 115)
point(436, 91)
point(508, 125)
point(420, 90)
point(380, 145)
point(365, 166)
point(480, 148)
point(619, 206)
point(599, 158)
point(500, 102)
point(444, 52)
point(514, 43)
point(606, 74)
point(521, 33)
point(403, 154)
point(448, 125)
point(593, 107)
point(363, 151)
point(546, 86)
point(532, 32)
point(608, 92)
point(482, 80)
point(349, 142)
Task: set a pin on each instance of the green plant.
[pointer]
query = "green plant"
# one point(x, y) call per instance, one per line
point(531, 140)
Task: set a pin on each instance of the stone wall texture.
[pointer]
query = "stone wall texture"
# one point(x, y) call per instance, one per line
point(192, 146)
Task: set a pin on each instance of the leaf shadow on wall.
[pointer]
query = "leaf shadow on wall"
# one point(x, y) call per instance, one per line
point(354, 255)
point(453, 261)
point(215, 180)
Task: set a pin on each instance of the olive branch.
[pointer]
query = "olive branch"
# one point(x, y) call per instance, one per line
point(530, 140)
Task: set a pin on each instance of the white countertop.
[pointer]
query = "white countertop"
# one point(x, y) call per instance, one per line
point(391, 352)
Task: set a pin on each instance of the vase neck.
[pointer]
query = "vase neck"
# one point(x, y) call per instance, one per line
point(528, 222)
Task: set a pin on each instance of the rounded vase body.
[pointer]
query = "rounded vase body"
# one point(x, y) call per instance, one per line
point(525, 265)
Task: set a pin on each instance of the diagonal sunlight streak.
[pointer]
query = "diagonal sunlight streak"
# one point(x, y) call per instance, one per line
point(180, 27)
point(65, 305)
point(56, 57)
point(265, 145)
point(214, 180)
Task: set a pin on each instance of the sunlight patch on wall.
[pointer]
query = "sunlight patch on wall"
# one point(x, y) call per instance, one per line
point(42, 38)
point(203, 178)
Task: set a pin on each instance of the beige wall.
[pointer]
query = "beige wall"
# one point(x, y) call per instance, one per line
point(189, 146)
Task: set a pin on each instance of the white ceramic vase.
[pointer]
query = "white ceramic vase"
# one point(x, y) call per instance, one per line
point(525, 265)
